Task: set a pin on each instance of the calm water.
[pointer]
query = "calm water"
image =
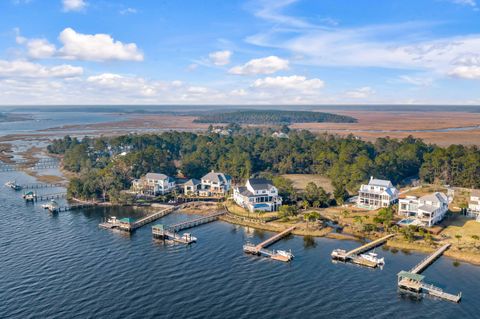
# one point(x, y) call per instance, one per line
point(64, 266)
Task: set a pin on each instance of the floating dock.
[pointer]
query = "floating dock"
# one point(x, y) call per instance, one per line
point(41, 185)
point(129, 224)
point(276, 255)
point(353, 255)
point(412, 281)
point(170, 232)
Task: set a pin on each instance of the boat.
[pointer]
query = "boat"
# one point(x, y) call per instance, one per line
point(52, 206)
point(30, 196)
point(373, 257)
point(281, 255)
point(339, 254)
point(187, 237)
point(112, 220)
point(13, 185)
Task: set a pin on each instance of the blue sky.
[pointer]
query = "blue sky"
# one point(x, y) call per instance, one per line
point(239, 52)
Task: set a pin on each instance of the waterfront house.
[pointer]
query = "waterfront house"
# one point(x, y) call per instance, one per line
point(474, 204)
point(154, 184)
point(191, 187)
point(427, 210)
point(257, 194)
point(214, 184)
point(376, 194)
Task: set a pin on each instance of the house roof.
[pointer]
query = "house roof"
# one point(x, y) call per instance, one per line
point(260, 183)
point(157, 176)
point(435, 197)
point(192, 182)
point(217, 177)
point(127, 220)
point(379, 182)
point(244, 191)
point(428, 208)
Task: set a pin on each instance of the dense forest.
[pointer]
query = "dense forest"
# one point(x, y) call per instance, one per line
point(273, 117)
point(107, 165)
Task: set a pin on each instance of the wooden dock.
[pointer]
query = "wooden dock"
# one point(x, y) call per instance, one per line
point(259, 249)
point(67, 208)
point(131, 226)
point(170, 232)
point(50, 196)
point(368, 246)
point(421, 266)
point(43, 163)
point(41, 185)
point(412, 281)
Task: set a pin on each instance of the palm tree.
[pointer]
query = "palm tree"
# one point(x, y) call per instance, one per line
point(458, 237)
point(475, 238)
point(306, 217)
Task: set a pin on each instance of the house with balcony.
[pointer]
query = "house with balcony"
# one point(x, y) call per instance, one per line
point(427, 210)
point(191, 187)
point(258, 194)
point(376, 194)
point(214, 184)
point(154, 184)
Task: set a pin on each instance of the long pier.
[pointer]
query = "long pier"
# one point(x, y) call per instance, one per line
point(161, 230)
point(130, 226)
point(75, 206)
point(259, 249)
point(421, 266)
point(412, 280)
point(41, 185)
point(43, 163)
point(50, 196)
point(368, 246)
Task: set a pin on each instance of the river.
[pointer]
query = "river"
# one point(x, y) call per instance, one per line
point(65, 266)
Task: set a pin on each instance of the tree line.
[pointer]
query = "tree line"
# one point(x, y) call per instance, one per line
point(106, 165)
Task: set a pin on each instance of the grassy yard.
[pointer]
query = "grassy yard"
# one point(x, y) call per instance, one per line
point(463, 226)
point(237, 210)
point(425, 190)
point(300, 181)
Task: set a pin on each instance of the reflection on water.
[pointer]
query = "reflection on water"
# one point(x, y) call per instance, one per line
point(309, 242)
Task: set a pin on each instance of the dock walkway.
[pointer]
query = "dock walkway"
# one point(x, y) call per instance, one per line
point(368, 246)
point(274, 239)
point(421, 266)
point(131, 226)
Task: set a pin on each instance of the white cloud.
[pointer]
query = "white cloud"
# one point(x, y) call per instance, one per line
point(268, 65)
point(469, 72)
point(96, 47)
point(416, 80)
point(132, 85)
point(360, 93)
point(26, 69)
point(294, 82)
point(471, 3)
point(128, 11)
point(74, 5)
point(271, 10)
point(220, 57)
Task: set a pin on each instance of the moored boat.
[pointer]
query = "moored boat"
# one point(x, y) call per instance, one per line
point(338, 254)
point(13, 185)
point(373, 257)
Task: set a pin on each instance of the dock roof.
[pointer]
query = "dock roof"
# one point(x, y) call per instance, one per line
point(411, 276)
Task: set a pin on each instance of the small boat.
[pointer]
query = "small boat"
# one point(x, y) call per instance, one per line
point(373, 257)
point(284, 253)
point(187, 237)
point(13, 185)
point(30, 196)
point(112, 220)
point(52, 206)
point(338, 254)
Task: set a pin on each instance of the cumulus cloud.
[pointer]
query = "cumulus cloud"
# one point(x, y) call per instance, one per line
point(220, 57)
point(26, 69)
point(74, 5)
point(132, 85)
point(360, 93)
point(294, 82)
point(96, 47)
point(267, 65)
point(469, 72)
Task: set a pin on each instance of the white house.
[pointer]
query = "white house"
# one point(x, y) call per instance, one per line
point(214, 184)
point(257, 194)
point(191, 187)
point(279, 135)
point(376, 194)
point(428, 210)
point(154, 184)
point(474, 204)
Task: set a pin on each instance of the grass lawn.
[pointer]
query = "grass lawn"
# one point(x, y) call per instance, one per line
point(300, 181)
point(237, 210)
point(463, 226)
point(425, 190)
